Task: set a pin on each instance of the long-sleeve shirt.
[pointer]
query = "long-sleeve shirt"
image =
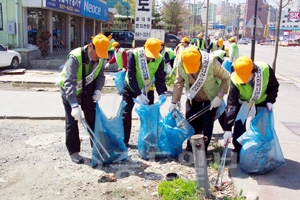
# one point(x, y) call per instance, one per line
point(124, 58)
point(218, 71)
point(159, 75)
point(72, 65)
point(233, 99)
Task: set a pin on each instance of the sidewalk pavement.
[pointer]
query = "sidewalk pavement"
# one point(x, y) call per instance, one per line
point(283, 183)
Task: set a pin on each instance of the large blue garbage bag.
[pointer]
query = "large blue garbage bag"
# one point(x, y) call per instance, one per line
point(161, 137)
point(176, 130)
point(119, 81)
point(110, 132)
point(261, 152)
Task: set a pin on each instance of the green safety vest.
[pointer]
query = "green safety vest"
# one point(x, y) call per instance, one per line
point(215, 46)
point(119, 58)
point(235, 48)
point(78, 54)
point(152, 67)
point(200, 46)
point(170, 52)
point(246, 90)
point(211, 85)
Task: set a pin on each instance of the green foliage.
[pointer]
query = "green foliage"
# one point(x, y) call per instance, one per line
point(43, 42)
point(238, 197)
point(179, 189)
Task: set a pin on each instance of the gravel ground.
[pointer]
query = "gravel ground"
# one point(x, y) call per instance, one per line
point(34, 164)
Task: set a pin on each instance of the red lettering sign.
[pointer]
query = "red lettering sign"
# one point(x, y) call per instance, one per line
point(294, 15)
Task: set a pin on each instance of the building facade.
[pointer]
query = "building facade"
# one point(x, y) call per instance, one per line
point(72, 23)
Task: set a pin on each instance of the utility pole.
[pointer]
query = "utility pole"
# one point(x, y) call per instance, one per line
point(254, 32)
point(277, 36)
point(206, 26)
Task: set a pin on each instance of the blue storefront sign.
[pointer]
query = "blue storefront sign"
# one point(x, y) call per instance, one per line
point(88, 8)
point(94, 9)
point(65, 5)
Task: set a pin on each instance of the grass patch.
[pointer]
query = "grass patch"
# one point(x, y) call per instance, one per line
point(179, 189)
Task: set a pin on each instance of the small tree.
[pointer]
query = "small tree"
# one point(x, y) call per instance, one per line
point(43, 42)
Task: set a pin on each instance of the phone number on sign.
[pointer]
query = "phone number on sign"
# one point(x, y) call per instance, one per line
point(142, 34)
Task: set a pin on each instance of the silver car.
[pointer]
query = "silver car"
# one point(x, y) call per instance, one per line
point(243, 41)
point(9, 58)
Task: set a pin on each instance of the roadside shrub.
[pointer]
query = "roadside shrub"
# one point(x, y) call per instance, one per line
point(42, 42)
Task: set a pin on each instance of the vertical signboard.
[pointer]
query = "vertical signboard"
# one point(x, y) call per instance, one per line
point(143, 18)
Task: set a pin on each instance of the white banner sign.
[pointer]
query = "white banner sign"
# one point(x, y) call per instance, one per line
point(143, 16)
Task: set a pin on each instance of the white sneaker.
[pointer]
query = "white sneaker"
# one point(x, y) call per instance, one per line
point(77, 158)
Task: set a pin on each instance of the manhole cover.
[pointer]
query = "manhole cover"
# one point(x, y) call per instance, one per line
point(293, 126)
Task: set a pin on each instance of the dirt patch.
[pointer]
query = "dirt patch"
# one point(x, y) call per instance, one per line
point(34, 164)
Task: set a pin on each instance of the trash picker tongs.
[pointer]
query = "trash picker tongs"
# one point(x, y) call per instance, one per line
point(221, 169)
point(90, 131)
point(199, 113)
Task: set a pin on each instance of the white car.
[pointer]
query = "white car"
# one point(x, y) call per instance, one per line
point(9, 58)
point(243, 41)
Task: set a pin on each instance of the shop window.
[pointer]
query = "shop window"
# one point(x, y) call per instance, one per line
point(35, 20)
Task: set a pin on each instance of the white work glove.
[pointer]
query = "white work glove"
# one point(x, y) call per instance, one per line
point(227, 137)
point(216, 102)
point(143, 99)
point(106, 65)
point(269, 106)
point(172, 107)
point(97, 95)
point(76, 113)
point(124, 69)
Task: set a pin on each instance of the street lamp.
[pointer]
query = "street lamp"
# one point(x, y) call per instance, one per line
point(206, 27)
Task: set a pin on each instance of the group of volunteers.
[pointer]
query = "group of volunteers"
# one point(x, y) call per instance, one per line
point(199, 71)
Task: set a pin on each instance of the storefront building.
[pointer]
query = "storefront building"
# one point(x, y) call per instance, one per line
point(72, 23)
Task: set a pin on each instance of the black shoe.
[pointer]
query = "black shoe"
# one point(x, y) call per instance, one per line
point(76, 158)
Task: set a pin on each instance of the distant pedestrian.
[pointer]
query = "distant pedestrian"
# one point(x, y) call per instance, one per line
point(110, 49)
point(200, 42)
point(216, 45)
point(81, 81)
point(233, 50)
point(120, 56)
point(253, 85)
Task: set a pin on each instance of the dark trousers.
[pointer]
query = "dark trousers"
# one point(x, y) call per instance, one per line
point(204, 123)
point(128, 96)
point(72, 130)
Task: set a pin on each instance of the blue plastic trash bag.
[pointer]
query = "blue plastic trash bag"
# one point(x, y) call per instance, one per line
point(261, 152)
point(119, 81)
point(160, 137)
point(220, 109)
point(228, 66)
point(110, 132)
point(176, 130)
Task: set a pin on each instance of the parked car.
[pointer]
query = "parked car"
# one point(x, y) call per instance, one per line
point(290, 42)
point(171, 40)
point(243, 41)
point(124, 38)
point(9, 58)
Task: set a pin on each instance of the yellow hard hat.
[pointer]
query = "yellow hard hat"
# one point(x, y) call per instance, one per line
point(220, 42)
point(243, 67)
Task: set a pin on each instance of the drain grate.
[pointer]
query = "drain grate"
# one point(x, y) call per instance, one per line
point(293, 126)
